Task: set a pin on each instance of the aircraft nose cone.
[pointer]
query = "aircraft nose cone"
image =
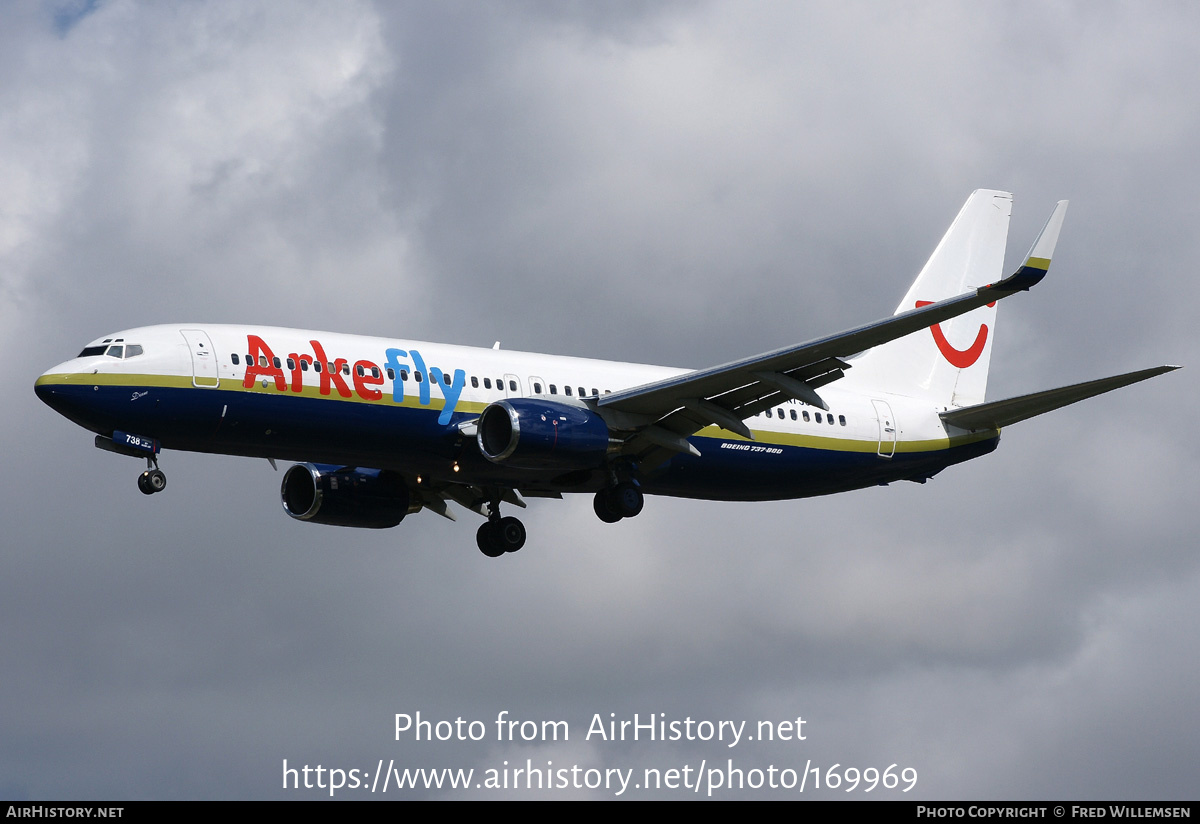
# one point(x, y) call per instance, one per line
point(44, 387)
point(50, 388)
point(65, 391)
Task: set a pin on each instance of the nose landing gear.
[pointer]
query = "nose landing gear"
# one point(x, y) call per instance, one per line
point(152, 479)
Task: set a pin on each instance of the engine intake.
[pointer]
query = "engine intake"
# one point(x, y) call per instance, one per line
point(346, 496)
point(530, 433)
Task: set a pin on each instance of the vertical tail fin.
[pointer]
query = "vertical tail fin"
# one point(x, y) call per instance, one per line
point(948, 363)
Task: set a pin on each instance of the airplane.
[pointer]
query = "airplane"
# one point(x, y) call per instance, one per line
point(381, 428)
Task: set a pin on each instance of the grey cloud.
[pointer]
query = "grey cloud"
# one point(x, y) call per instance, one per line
point(682, 184)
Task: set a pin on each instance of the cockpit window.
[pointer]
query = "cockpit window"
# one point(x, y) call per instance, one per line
point(113, 350)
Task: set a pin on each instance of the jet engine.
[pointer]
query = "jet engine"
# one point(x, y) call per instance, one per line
point(530, 433)
point(346, 496)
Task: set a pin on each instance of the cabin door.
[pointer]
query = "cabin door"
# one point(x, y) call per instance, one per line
point(204, 359)
point(887, 429)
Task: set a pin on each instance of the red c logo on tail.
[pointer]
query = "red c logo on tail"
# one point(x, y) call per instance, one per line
point(962, 358)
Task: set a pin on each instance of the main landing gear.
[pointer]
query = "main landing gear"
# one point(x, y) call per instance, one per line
point(499, 535)
point(152, 479)
point(613, 503)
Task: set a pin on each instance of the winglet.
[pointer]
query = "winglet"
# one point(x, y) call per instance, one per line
point(1037, 262)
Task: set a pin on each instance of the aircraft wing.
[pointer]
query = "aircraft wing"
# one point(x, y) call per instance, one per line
point(437, 497)
point(665, 412)
point(996, 414)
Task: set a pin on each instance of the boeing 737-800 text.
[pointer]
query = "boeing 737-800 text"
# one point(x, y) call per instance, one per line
point(384, 428)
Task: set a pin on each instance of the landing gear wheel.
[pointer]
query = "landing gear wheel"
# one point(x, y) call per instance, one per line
point(500, 536)
point(488, 539)
point(602, 503)
point(626, 499)
point(511, 534)
point(151, 481)
point(157, 480)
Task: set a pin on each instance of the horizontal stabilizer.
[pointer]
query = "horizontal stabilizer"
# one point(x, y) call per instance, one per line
point(1012, 410)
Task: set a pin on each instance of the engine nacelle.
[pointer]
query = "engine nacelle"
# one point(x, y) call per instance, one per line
point(345, 496)
point(530, 433)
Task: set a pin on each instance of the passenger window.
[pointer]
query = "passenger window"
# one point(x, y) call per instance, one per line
point(403, 375)
point(361, 372)
point(262, 361)
point(417, 377)
point(318, 366)
point(817, 415)
point(445, 379)
point(303, 366)
point(291, 364)
point(391, 374)
point(374, 371)
point(345, 369)
point(581, 392)
point(567, 391)
point(793, 411)
point(553, 389)
point(474, 382)
point(512, 385)
point(487, 383)
point(275, 361)
point(537, 388)
point(234, 358)
point(594, 392)
point(842, 420)
point(804, 414)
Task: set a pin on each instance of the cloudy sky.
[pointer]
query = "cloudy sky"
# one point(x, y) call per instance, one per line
point(676, 183)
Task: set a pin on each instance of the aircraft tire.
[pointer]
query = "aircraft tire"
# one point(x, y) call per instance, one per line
point(510, 533)
point(488, 540)
point(627, 499)
point(602, 504)
point(156, 479)
point(143, 483)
